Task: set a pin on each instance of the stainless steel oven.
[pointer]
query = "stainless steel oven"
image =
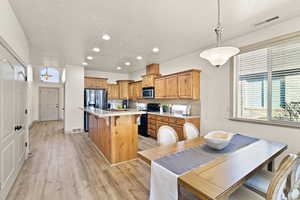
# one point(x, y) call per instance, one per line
point(148, 93)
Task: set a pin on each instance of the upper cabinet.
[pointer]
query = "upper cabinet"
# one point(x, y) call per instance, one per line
point(113, 91)
point(152, 72)
point(139, 90)
point(148, 80)
point(97, 83)
point(183, 85)
point(152, 69)
point(160, 88)
point(172, 86)
point(132, 90)
point(124, 89)
point(189, 85)
point(135, 90)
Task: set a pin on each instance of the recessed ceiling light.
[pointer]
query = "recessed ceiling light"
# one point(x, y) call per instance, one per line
point(139, 57)
point(106, 37)
point(96, 49)
point(119, 68)
point(155, 49)
point(84, 63)
point(127, 63)
point(89, 58)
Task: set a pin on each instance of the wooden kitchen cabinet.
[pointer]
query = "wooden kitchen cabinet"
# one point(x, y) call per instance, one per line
point(179, 131)
point(152, 69)
point(132, 92)
point(95, 83)
point(182, 85)
point(159, 124)
point(113, 91)
point(152, 125)
point(160, 88)
point(138, 90)
point(172, 86)
point(116, 137)
point(135, 90)
point(124, 88)
point(148, 80)
point(156, 121)
point(189, 85)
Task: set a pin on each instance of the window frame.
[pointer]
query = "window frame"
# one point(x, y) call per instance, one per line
point(49, 82)
point(234, 76)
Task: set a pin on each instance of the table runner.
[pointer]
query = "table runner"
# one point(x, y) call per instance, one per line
point(166, 170)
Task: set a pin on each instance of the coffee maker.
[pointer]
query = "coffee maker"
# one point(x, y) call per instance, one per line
point(125, 104)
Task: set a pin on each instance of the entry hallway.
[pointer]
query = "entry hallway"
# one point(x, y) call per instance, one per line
point(67, 166)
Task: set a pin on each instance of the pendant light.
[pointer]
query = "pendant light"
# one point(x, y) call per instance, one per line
point(219, 55)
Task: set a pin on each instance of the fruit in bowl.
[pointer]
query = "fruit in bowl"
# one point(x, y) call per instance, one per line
point(218, 139)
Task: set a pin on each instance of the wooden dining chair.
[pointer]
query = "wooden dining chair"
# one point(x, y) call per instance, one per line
point(260, 182)
point(190, 131)
point(277, 189)
point(166, 135)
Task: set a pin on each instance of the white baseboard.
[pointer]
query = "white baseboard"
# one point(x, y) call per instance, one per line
point(74, 131)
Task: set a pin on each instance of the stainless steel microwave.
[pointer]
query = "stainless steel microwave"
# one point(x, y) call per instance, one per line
point(148, 93)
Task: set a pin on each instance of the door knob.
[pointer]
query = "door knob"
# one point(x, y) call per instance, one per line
point(17, 128)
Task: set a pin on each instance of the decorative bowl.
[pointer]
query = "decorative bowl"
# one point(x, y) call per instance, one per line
point(218, 139)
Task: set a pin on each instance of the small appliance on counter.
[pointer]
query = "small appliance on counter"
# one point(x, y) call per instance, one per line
point(141, 106)
point(184, 110)
point(143, 126)
point(125, 104)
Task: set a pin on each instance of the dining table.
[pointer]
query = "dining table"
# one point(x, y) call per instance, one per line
point(219, 177)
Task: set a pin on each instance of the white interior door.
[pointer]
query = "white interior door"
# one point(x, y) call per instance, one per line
point(49, 104)
point(12, 120)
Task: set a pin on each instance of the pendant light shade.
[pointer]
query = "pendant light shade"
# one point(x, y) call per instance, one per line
point(220, 55)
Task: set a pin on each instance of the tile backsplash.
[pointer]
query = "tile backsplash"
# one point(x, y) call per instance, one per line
point(195, 105)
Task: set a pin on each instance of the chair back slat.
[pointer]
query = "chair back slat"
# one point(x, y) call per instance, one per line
point(282, 185)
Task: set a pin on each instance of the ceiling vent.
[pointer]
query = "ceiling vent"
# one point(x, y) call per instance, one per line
point(266, 21)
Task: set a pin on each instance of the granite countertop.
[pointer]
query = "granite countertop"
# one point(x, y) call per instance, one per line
point(112, 113)
point(123, 112)
point(167, 114)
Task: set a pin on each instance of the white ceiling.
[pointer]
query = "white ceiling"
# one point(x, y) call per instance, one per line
point(63, 31)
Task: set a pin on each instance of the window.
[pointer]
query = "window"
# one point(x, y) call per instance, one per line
point(49, 75)
point(267, 83)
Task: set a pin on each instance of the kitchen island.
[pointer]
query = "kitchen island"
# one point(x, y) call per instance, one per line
point(115, 133)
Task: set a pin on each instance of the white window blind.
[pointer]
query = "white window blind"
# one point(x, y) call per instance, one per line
point(268, 83)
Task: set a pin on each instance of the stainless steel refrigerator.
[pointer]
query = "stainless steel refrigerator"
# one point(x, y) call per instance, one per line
point(94, 98)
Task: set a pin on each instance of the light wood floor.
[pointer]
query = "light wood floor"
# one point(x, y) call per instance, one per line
point(146, 143)
point(67, 167)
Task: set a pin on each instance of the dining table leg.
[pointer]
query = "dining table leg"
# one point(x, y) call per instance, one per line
point(270, 166)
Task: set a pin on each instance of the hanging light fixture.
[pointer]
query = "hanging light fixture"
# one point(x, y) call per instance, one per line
point(219, 55)
point(46, 76)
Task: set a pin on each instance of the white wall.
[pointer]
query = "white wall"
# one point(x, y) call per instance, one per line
point(112, 77)
point(215, 90)
point(33, 95)
point(74, 98)
point(12, 32)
